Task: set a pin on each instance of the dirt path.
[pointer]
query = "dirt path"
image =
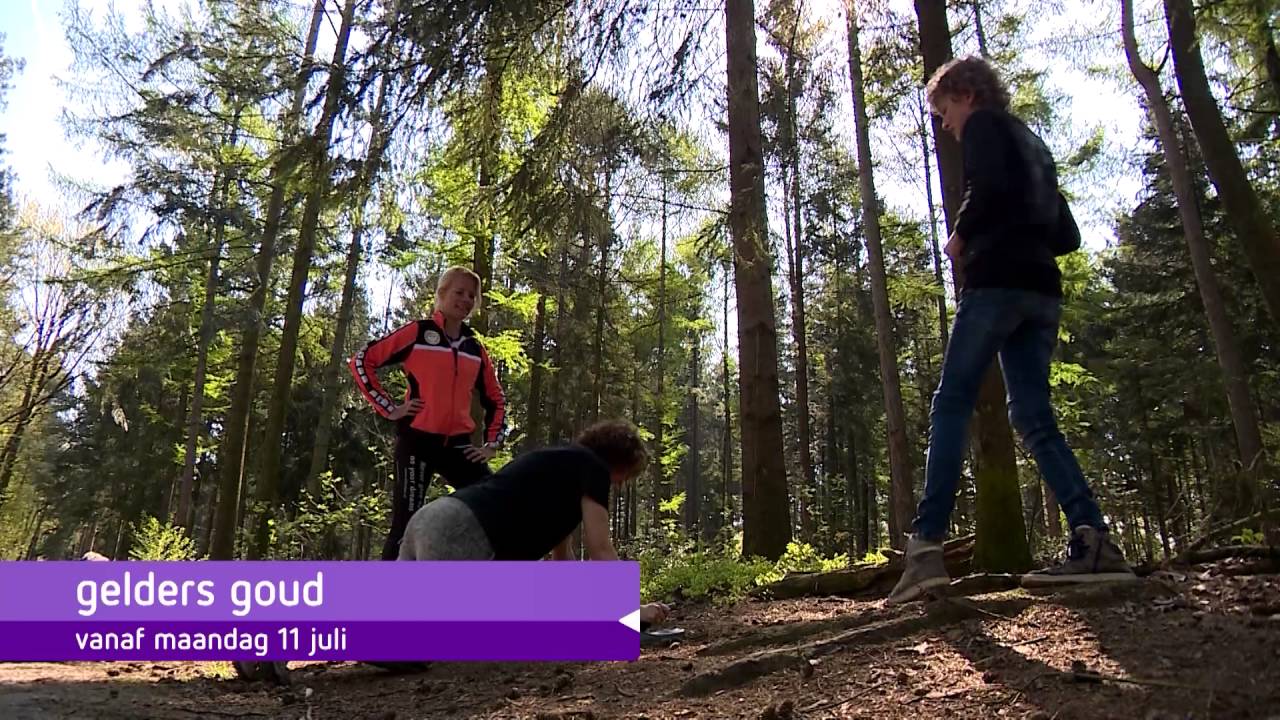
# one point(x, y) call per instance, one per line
point(1203, 644)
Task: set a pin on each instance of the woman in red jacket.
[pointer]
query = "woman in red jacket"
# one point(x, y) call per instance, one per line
point(445, 363)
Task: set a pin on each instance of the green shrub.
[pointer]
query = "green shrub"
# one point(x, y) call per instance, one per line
point(722, 576)
point(154, 540)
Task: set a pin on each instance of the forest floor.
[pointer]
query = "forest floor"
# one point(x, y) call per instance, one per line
point(1193, 642)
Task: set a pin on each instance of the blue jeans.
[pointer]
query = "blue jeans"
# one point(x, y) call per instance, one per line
point(1021, 327)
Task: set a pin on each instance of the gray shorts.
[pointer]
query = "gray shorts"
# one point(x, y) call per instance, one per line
point(445, 529)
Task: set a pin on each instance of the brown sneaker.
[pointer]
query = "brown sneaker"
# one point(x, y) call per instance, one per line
point(923, 570)
point(1091, 558)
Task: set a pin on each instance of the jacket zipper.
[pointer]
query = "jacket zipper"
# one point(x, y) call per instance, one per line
point(453, 388)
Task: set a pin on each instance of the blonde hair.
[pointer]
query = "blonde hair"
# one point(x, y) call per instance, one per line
point(451, 276)
point(969, 75)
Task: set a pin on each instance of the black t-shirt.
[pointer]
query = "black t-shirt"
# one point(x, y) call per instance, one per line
point(534, 502)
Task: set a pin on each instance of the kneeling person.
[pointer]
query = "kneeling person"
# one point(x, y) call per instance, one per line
point(532, 505)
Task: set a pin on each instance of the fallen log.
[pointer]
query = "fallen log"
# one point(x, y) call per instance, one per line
point(1253, 552)
point(1222, 530)
point(879, 579)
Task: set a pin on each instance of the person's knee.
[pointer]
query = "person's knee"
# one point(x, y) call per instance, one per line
point(1034, 421)
point(952, 396)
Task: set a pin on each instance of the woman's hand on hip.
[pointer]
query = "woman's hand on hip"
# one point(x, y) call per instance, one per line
point(408, 409)
point(484, 453)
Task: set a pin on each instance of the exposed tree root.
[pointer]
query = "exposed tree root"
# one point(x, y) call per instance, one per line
point(793, 632)
point(937, 614)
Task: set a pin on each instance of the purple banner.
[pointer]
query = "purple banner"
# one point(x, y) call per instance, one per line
point(565, 641)
point(276, 590)
point(299, 610)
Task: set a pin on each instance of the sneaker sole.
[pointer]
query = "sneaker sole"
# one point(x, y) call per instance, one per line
point(1077, 579)
point(915, 591)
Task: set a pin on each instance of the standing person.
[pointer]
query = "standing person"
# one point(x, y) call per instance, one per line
point(532, 505)
point(1009, 229)
point(446, 365)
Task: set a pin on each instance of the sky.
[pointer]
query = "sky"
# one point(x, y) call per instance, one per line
point(37, 146)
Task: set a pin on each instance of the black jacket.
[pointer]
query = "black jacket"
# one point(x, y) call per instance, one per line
point(1010, 205)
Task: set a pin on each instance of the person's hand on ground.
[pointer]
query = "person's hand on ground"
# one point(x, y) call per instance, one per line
point(484, 453)
point(651, 613)
point(408, 409)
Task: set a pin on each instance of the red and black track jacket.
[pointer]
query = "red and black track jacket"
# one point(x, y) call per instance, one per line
point(441, 374)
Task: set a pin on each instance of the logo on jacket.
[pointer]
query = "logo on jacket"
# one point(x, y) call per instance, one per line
point(431, 337)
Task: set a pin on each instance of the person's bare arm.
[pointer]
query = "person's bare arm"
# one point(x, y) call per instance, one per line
point(595, 531)
point(563, 551)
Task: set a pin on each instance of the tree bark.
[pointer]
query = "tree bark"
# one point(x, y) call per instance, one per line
point(979, 30)
point(693, 486)
point(901, 494)
point(726, 392)
point(660, 400)
point(795, 253)
point(537, 373)
point(766, 518)
point(934, 247)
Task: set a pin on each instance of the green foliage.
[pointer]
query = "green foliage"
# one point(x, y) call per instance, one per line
point(1249, 536)
point(721, 576)
point(154, 540)
point(315, 529)
point(802, 558)
point(698, 576)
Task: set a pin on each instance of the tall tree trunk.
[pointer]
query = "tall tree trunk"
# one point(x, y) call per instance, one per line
point(726, 393)
point(693, 488)
point(537, 373)
point(1052, 519)
point(979, 30)
point(26, 411)
point(795, 256)
point(602, 302)
point(766, 526)
point(1244, 416)
point(1271, 57)
point(660, 399)
point(195, 417)
point(320, 177)
point(491, 99)
point(372, 166)
point(36, 532)
point(901, 495)
point(835, 514)
point(555, 422)
point(1001, 544)
point(50, 324)
point(1253, 228)
point(934, 247)
point(231, 463)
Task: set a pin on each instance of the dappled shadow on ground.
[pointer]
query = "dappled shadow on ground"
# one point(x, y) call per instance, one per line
point(1004, 655)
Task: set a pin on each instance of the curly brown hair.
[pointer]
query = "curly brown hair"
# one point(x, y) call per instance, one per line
point(618, 443)
point(975, 75)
